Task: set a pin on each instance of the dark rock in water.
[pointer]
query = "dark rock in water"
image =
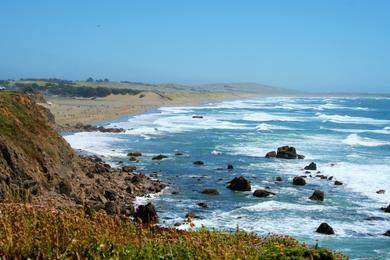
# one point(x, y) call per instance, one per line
point(287, 152)
point(338, 183)
point(240, 184)
point(387, 210)
point(307, 172)
point(134, 154)
point(133, 159)
point(178, 154)
point(387, 233)
point(203, 205)
point(300, 181)
point(324, 228)
point(330, 178)
point(317, 195)
point(177, 224)
point(230, 167)
point(198, 163)
point(271, 154)
point(374, 218)
point(210, 191)
point(129, 168)
point(146, 214)
point(321, 176)
point(262, 193)
point(159, 157)
point(300, 157)
point(198, 117)
point(174, 192)
point(278, 178)
point(380, 192)
point(311, 167)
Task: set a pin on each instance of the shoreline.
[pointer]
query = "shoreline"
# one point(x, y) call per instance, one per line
point(71, 111)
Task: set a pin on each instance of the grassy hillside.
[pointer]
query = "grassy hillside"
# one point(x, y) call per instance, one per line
point(45, 233)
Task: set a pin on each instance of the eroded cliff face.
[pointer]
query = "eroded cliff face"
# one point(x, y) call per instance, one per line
point(38, 166)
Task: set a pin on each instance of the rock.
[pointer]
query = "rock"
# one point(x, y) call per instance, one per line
point(134, 154)
point(317, 195)
point(198, 163)
point(262, 193)
point(271, 154)
point(146, 214)
point(130, 189)
point(178, 154)
point(307, 172)
point(230, 167)
point(387, 210)
point(380, 192)
point(111, 208)
point(287, 152)
point(198, 117)
point(239, 184)
point(110, 195)
point(133, 159)
point(129, 168)
point(387, 233)
point(300, 181)
point(338, 183)
point(321, 176)
point(300, 157)
point(210, 191)
point(159, 157)
point(324, 228)
point(330, 178)
point(136, 178)
point(203, 205)
point(65, 188)
point(311, 167)
point(279, 178)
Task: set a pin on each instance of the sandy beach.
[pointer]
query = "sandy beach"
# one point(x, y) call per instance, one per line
point(90, 111)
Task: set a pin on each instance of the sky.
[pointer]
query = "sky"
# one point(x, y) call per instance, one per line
point(322, 45)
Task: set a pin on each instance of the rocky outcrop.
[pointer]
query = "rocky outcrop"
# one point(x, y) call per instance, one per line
point(39, 167)
point(262, 193)
point(239, 184)
point(146, 214)
point(311, 167)
point(317, 195)
point(386, 209)
point(271, 154)
point(338, 183)
point(134, 154)
point(325, 228)
point(387, 233)
point(287, 152)
point(299, 181)
point(88, 128)
point(230, 167)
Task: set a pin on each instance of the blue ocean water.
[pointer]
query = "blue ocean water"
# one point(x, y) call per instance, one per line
point(348, 138)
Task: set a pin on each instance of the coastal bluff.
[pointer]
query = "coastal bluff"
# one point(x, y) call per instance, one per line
point(39, 167)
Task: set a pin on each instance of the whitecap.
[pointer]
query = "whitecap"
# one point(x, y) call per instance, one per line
point(356, 140)
point(345, 119)
point(263, 117)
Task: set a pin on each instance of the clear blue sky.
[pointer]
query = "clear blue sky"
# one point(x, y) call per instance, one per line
point(320, 45)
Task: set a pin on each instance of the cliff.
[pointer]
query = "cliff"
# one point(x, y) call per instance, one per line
point(38, 166)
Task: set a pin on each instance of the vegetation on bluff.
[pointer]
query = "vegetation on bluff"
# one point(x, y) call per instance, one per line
point(43, 232)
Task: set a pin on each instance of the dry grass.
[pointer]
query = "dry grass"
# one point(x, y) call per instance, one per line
point(28, 231)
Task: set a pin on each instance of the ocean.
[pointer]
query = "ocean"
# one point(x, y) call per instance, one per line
point(348, 138)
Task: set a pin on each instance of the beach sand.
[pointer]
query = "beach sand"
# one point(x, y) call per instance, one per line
point(90, 111)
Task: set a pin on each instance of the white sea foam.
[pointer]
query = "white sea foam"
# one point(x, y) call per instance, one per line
point(345, 119)
point(96, 143)
point(273, 205)
point(269, 127)
point(264, 117)
point(385, 130)
point(356, 140)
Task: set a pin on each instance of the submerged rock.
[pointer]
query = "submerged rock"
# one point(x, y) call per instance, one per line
point(134, 154)
point(159, 157)
point(210, 191)
point(203, 205)
point(262, 193)
point(239, 184)
point(325, 228)
point(311, 167)
point(317, 195)
point(198, 163)
point(146, 214)
point(300, 181)
point(279, 178)
point(230, 167)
